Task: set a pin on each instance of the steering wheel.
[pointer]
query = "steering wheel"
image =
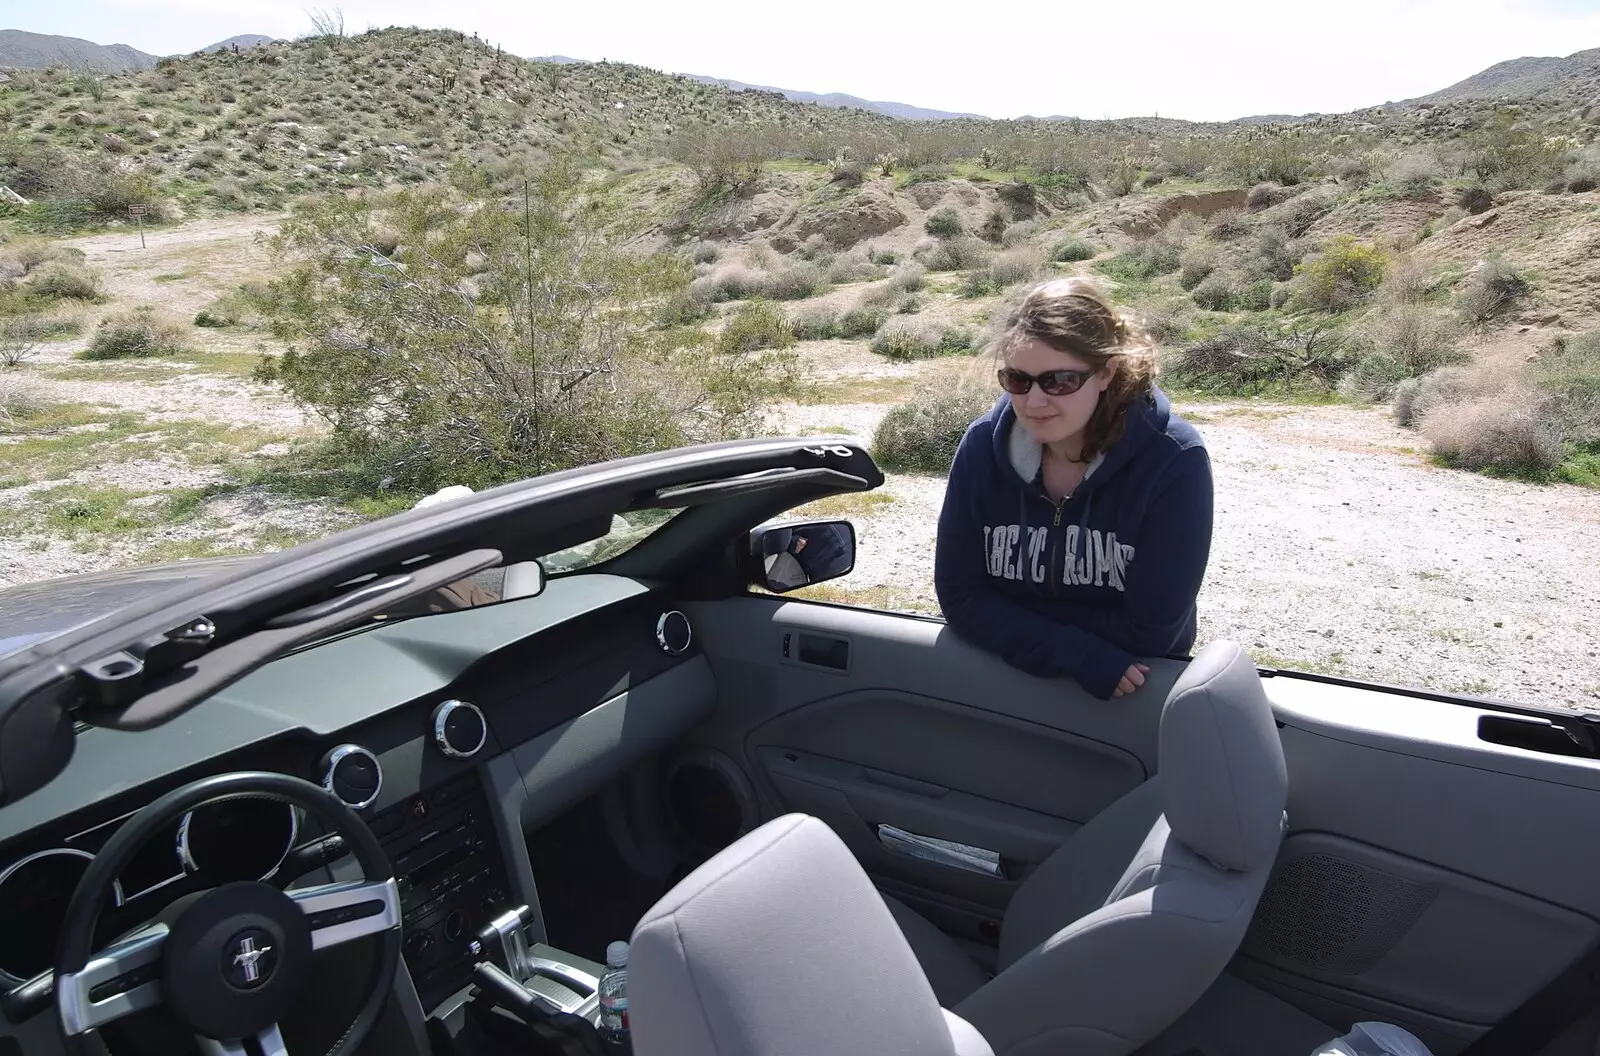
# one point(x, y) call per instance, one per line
point(231, 963)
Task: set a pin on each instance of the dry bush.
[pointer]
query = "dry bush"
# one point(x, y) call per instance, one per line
point(1506, 432)
point(795, 282)
point(1275, 254)
point(1493, 288)
point(66, 282)
point(1405, 341)
point(1474, 199)
point(908, 278)
point(855, 266)
point(1408, 280)
point(1569, 371)
point(144, 331)
point(704, 252)
point(1414, 175)
point(19, 340)
point(1016, 265)
point(1229, 225)
point(1416, 398)
point(1020, 234)
point(863, 320)
point(954, 254)
point(1298, 214)
point(1266, 195)
point(27, 254)
point(816, 323)
point(1197, 261)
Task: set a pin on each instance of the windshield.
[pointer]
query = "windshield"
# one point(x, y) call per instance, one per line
point(626, 533)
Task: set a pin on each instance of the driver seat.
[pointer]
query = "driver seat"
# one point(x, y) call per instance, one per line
point(1122, 929)
point(780, 946)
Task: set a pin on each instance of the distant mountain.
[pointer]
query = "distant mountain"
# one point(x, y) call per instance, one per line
point(39, 51)
point(242, 41)
point(901, 110)
point(835, 99)
point(1576, 75)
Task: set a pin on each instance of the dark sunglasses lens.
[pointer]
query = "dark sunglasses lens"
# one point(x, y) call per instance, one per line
point(1061, 382)
point(1015, 381)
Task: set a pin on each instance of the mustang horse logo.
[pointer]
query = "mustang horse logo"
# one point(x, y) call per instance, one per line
point(247, 957)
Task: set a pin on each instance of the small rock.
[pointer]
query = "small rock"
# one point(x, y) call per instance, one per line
point(81, 119)
point(1498, 623)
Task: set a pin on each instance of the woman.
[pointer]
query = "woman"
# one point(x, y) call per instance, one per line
point(1077, 522)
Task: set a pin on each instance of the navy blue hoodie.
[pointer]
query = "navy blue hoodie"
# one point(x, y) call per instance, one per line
point(1084, 588)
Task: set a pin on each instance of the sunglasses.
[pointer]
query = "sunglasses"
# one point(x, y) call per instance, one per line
point(1053, 382)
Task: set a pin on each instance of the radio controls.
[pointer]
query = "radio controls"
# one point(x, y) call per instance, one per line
point(459, 729)
point(353, 774)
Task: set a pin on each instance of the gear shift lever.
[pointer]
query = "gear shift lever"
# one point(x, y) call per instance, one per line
point(504, 941)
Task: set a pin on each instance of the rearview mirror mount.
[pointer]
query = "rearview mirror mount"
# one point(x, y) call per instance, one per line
point(787, 557)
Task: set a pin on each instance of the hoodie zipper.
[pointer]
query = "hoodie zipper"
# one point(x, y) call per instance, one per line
point(1055, 545)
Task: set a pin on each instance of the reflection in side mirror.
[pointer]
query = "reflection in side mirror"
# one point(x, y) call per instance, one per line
point(798, 555)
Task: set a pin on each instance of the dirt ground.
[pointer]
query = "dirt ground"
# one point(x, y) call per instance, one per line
point(1338, 547)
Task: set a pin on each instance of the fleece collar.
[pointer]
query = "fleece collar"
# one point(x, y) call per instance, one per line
point(1014, 447)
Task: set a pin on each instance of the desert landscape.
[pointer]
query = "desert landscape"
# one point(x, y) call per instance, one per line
point(1386, 323)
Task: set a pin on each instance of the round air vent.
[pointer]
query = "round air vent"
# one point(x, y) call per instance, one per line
point(459, 729)
point(353, 774)
point(673, 633)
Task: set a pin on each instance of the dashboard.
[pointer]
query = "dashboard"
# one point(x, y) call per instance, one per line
point(408, 723)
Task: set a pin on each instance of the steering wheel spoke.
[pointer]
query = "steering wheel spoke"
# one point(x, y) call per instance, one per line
point(270, 1041)
point(339, 913)
point(122, 979)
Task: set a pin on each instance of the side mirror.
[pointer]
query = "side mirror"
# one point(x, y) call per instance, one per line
point(797, 555)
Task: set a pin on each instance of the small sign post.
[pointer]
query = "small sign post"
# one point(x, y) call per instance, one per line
point(139, 211)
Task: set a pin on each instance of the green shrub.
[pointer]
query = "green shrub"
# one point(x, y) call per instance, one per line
point(1217, 293)
point(1197, 262)
point(955, 254)
point(922, 436)
point(1071, 250)
point(139, 333)
point(1255, 296)
point(862, 321)
point(429, 388)
point(1341, 276)
point(1161, 254)
point(756, 325)
point(943, 223)
point(903, 338)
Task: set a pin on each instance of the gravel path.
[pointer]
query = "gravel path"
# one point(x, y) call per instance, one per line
point(1338, 548)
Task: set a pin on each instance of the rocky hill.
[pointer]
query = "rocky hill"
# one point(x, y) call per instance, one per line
point(36, 51)
point(1574, 78)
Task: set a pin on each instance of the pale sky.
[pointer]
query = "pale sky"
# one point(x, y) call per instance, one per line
point(1177, 58)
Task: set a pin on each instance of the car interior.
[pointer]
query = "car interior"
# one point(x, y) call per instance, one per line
point(824, 828)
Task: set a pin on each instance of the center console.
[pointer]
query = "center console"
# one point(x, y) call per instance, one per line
point(452, 879)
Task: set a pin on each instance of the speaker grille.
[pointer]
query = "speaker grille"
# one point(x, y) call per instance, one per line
point(1334, 915)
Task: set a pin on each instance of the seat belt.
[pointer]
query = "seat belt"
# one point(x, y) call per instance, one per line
point(1553, 1008)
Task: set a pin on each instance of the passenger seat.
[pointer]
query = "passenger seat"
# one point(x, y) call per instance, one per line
point(1115, 935)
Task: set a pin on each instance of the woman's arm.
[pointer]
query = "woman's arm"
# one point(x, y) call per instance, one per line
point(979, 612)
point(1164, 577)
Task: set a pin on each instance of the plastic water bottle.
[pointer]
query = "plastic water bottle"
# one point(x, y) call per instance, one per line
point(614, 997)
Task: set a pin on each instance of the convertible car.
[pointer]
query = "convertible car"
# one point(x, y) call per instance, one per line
point(396, 790)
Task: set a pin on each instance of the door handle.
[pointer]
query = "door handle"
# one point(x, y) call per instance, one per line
point(940, 852)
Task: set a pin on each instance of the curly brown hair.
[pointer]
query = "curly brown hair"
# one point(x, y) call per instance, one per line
point(1072, 315)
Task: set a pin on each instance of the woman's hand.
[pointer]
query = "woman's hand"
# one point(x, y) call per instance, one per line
point(1132, 680)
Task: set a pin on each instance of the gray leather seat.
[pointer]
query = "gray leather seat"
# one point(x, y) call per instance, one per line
point(1116, 934)
point(780, 946)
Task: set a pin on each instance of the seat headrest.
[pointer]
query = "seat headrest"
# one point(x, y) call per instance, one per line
point(780, 945)
point(1221, 771)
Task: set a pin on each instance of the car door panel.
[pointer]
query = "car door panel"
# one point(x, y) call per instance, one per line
point(1429, 877)
point(866, 719)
